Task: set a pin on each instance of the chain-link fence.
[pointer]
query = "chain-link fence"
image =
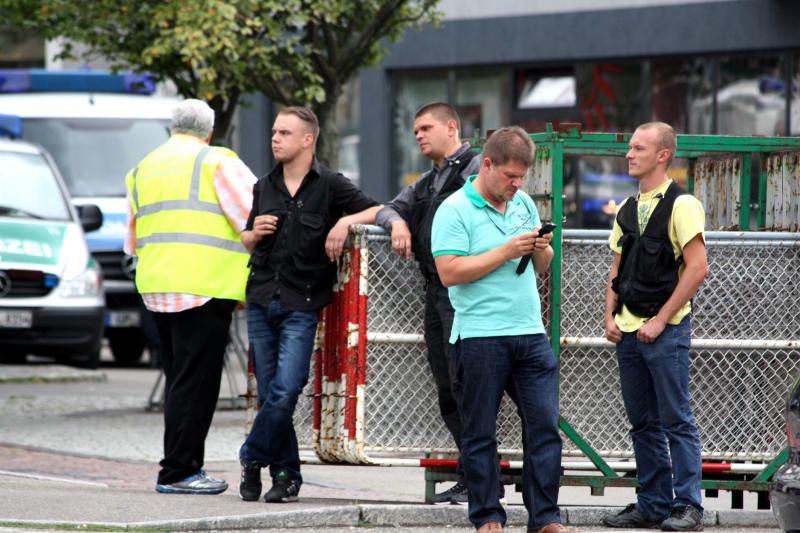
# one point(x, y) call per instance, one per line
point(745, 352)
point(372, 391)
point(745, 349)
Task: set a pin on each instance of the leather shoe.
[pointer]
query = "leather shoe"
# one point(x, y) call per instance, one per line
point(491, 527)
point(555, 527)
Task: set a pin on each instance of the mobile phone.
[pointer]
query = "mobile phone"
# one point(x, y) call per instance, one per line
point(523, 263)
point(546, 228)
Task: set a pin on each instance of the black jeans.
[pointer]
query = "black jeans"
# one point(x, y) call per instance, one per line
point(438, 324)
point(192, 351)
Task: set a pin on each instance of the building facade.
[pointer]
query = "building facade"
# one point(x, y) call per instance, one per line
point(709, 66)
point(705, 66)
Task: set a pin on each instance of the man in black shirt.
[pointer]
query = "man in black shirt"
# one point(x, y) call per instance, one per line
point(295, 233)
point(409, 218)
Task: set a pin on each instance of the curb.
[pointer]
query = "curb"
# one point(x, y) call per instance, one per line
point(374, 515)
point(48, 374)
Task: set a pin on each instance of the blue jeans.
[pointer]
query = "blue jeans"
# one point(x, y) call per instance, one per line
point(655, 389)
point(523, 365)
point(282, 342)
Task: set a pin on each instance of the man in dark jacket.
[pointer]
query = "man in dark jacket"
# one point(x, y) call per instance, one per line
point(295, 233)
point(409, 218)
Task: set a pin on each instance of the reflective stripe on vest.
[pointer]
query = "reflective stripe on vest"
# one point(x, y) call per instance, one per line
point(192, 204)
point(191, 238)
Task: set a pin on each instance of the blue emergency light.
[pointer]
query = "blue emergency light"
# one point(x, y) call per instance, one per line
point(40, 80)
point(10, 126)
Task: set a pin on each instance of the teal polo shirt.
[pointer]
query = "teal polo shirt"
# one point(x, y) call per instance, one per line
point(501, 303)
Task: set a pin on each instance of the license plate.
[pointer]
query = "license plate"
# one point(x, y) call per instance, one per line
point(122, 319)
point(16, 319)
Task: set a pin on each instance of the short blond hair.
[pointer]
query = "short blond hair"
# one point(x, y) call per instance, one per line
point(667, 140)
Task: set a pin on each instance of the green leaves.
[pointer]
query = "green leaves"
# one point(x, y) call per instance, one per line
point(297, 52)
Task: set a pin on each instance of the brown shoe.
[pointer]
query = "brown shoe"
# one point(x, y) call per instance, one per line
point(555, 527)
point(491, 527)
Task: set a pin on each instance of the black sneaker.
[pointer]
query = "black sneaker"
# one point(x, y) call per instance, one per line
point(250, 486)
point(460, 496)
point(446, 497)
point(284, 490)
point(629, 518)
point(683, 518)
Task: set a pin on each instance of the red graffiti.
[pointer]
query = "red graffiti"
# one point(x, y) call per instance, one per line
point(592, 107)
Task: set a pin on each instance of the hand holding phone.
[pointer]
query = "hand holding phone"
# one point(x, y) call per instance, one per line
point(546, 228)
point(523, 263)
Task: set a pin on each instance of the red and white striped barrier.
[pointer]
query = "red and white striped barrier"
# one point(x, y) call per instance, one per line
point(340, 356)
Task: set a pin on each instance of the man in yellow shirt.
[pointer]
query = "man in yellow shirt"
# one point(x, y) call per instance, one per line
point(659, 263)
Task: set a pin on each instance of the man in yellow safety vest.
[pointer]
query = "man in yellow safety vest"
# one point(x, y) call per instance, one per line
point(188, 203)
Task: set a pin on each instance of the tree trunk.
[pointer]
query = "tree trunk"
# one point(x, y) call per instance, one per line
point(223, 115)
point(328, 142)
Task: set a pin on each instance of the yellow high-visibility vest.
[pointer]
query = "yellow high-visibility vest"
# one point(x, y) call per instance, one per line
point(184, 242)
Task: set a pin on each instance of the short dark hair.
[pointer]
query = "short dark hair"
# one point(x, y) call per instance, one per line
point(667, 140)
point(442, 111)
point(511, 143)
point(306, 115)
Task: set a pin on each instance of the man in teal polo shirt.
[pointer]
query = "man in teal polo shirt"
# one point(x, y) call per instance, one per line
point(480, 233)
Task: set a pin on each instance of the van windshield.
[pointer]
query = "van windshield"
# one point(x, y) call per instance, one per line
point(28, 188)
point(95, 154)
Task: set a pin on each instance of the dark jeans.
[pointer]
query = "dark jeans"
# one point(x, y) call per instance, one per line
point(438, 324)
point(526, 367)
point(192, 352)
point(655, 388)
point(282, 342)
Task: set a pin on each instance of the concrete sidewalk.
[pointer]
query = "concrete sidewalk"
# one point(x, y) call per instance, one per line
point(46, 488)
point(82, 455)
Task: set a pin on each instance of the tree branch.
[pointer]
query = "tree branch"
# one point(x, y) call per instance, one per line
point(354, 53)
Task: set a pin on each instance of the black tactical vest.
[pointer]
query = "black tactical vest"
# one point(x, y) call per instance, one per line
point(426, 202)
point(648, 270)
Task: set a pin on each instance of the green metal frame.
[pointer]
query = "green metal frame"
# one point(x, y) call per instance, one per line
point(569, 140)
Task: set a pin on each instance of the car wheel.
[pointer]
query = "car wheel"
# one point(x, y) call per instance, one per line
point(127, 345)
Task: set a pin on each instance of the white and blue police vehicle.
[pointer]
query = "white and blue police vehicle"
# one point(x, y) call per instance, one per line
point(51, 296)
point(97, 126)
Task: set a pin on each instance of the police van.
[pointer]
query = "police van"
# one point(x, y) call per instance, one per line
point(51, 297)
point(97, 126)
